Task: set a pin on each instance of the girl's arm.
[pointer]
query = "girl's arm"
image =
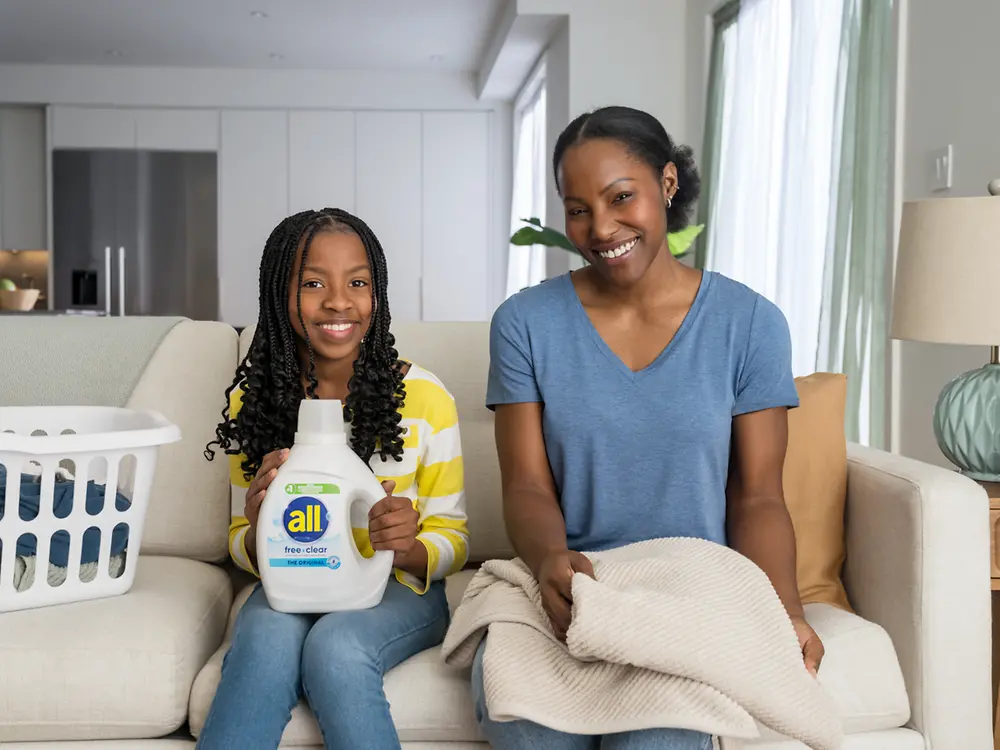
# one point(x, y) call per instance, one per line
point(242, 545)
point(443, 536)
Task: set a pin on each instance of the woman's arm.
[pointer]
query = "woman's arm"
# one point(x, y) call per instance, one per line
point(531, 509)
point(757, 521)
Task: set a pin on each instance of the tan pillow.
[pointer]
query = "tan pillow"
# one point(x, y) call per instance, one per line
point(815, 485)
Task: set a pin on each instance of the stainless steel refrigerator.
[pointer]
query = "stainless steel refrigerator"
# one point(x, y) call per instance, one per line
point(135, 232)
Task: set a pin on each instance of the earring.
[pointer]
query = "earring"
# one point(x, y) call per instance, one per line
point(669, 203)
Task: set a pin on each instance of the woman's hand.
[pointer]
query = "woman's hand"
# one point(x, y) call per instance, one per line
point(809, 642)
point(393, 524)
point(555, 578)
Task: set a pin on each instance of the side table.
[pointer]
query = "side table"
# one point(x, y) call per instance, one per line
point(993, 490)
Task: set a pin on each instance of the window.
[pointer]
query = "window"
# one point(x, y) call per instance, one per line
point(797, 154)
point(772, 207)
point(526, 265)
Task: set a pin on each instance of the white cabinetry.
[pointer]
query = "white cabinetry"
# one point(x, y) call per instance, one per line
point(321, 160)
point(389, 200)
point(456, 193)
point(22, 178)
point(253, 198)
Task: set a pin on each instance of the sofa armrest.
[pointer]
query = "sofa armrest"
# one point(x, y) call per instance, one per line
point(918, 564)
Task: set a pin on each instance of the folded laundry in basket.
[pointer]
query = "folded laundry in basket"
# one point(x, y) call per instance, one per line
point(30, 502)
point(24, 571)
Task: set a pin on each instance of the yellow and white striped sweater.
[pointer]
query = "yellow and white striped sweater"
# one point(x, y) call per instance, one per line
point(431, 475)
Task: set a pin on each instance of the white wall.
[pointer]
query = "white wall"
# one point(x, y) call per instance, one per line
point(951, 96)
point(556, 118)
point(629, 52)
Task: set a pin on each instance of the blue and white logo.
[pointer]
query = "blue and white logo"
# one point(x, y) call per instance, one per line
point(333, 562)
point(306, 519)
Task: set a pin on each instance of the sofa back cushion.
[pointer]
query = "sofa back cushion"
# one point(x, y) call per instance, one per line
point(815, 484)
point(177, 367)
point(459, 354)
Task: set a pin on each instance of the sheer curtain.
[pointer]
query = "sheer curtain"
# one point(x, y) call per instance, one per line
point(526, 265)
point(854, 323)
point(770, 204)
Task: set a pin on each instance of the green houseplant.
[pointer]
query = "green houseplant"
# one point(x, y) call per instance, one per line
point(536, 234)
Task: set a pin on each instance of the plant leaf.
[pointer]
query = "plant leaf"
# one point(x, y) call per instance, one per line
point(544, 236)
point(533, 220)
point(680, 242)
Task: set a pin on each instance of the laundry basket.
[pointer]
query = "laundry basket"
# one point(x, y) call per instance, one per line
point(76, 484)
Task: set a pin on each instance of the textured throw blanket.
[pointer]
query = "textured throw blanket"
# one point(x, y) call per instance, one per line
point(678, 633)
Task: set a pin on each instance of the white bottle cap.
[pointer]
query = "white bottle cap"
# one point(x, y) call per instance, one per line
point(321, 420)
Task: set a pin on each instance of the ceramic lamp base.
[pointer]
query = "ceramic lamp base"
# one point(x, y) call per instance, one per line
point(967, 423)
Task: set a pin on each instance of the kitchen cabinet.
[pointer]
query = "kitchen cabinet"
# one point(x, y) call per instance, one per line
point(145, 129)
point(93, 127)
point(253, 198)
point(321, 160)
point(22, 178)
point(389, 180)
point(456, 190)
point(177, 129)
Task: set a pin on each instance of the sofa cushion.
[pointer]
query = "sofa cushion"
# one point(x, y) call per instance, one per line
point(186, 381)
point(120, 667)
point(860, 671)
point(815, 484)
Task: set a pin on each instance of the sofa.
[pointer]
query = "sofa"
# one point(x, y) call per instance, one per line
point(908, 669)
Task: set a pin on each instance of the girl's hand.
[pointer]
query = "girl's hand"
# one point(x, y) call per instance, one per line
point(258, 488)
point(555, 578)
point(809, 642)
point(393, 523)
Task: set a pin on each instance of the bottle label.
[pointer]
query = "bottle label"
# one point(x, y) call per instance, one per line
point(301, 538)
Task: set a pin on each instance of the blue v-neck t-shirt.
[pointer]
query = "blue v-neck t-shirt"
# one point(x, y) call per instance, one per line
point(641, 455)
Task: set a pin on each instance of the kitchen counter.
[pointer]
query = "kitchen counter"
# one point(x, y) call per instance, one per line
point(77, 313)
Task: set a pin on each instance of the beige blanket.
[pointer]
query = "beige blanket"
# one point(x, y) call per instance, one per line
point(673, 633)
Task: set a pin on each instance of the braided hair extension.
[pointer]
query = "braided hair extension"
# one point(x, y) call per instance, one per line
point(271, 372)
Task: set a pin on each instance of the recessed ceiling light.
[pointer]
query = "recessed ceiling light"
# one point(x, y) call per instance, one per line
point(258, 14)
point(114, 53)
point(277, 56)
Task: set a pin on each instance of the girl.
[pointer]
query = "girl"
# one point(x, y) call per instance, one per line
point(637, 398)
point(323, 332)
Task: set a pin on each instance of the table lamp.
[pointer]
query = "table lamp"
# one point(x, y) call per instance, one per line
point(947, 282)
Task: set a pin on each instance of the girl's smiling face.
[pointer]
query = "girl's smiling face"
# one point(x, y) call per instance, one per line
point(615, 207)
point(335, 294)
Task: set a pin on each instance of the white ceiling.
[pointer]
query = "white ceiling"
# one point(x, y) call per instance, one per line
point(447, 35)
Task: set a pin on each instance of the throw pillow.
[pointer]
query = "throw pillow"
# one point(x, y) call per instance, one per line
point(815, 486)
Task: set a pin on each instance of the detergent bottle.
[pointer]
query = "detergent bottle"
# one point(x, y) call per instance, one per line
point(306, 554)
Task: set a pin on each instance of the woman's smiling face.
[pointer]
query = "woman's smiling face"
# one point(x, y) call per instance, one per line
point(615, 207)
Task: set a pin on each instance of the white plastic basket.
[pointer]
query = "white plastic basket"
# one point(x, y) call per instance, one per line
point(92, 449)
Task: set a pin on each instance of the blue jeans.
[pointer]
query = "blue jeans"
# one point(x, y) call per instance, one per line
point(336, 661)
point(526, 735)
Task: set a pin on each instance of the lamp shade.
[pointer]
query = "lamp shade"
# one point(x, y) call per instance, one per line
point(947, 285)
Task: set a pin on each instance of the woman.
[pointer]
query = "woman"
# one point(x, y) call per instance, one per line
point(323, 332)
point(637, 398)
